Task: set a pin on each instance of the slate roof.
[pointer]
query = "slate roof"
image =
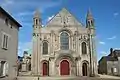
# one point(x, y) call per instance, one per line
point(110, 58)
point(113, 56)
point(116, 53)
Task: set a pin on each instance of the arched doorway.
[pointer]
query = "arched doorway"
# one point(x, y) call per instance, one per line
point(64, 68)
point(84, 69)
point(45, 69)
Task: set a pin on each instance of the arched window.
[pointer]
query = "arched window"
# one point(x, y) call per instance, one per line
point(45, 48)
point(64, 40)
point(92, 23)
point(36, 22)
point(84, 48)
point(88, 23)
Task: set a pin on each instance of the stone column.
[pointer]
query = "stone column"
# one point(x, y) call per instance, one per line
point(77, 43)
point(51, 66)
point(94, 56)
point(52, 43)
point(79, 67)
point(72, 72)
point(39, 53)
point(34, 55)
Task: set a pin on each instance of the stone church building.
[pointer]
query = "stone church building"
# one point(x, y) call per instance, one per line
point(64, 47)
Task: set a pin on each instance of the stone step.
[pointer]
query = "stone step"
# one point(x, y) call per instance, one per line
point(44, 78)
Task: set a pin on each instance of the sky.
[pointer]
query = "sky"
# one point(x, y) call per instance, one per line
point(105, 12)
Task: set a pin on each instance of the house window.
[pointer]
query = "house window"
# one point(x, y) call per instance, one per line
point(2, 68)
point(114, 69)
point(5, 41)
point(84, 48)
point(6, 21)
point(45, 47)
point(64, 40)
point(11, 26)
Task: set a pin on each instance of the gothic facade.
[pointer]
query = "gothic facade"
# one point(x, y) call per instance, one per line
point(64, 46)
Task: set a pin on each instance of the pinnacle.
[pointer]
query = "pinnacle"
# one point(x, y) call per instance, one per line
point(37, 13)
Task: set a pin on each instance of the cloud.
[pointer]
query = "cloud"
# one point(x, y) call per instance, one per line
point(111, 38)
point(26, 46)
point(7, 2)
point(23, 5)
point(23, 10)
point(117, 48)
point(25, 13)
point(116, 14)
point(49, 18)
point(103, 53)
point(101, 42)
point(45, 21)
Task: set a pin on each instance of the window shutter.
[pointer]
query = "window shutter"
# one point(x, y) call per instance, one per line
point(5, 40)
point(6, 46)
point(6, 69)
point(2, 44)
point(0, 68)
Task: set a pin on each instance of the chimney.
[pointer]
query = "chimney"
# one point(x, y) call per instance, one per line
point(111, 52)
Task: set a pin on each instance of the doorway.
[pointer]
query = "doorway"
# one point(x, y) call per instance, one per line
point(84, 69)
point(45, 69)
point(64, 68)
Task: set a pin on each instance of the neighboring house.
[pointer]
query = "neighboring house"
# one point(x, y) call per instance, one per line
point(64, 46)
point(9, 28)
point(110, 64)
point(24, 62)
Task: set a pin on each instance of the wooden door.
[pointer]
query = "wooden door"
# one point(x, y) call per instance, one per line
point(45, 69)
point(64, 68)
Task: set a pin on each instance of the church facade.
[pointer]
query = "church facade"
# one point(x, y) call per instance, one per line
point(64, 47)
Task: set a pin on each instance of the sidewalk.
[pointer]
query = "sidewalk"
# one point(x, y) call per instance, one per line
point(109, 76)
point(102, 77)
